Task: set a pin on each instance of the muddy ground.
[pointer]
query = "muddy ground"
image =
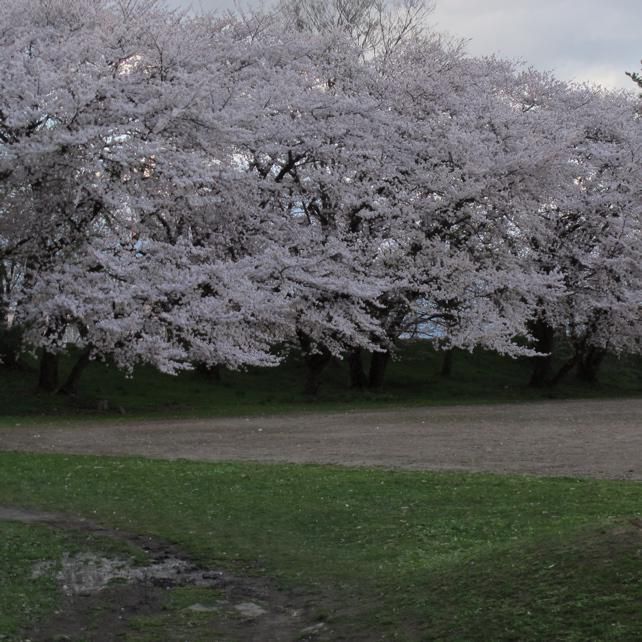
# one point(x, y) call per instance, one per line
point(591, 438)
point(103, 596)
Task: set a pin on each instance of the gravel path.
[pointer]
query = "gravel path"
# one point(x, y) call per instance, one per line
point(597, 438)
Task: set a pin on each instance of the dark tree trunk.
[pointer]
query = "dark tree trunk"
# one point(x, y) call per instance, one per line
point(564, 370)
point(315, 358)
point(210, 372)
point(315, 364)
point(71, 383)
point(447, 363)
point(10, 341)
point(10, 337)
point(48, 376)
point(358, 379)
point(377, 373)
point(588, 364)
point(541, 374)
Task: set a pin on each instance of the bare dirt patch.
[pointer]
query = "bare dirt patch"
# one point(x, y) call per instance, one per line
point(591, 438)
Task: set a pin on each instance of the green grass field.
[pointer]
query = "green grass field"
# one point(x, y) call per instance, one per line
point(379, 555)
point(413, 379)
point(386, 555)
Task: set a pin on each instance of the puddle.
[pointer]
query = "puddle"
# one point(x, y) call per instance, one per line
point(88, 573)
point(250, 610)
point(203, 608)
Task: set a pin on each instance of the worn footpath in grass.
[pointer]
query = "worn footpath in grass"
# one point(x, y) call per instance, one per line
point(412, 379)
point(391, 555)
point(26, 596)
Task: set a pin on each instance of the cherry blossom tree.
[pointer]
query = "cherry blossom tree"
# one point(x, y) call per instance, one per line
point(472, 182)
point(594, 238)
point(45, 210)
point(183, 256)
point(182, 190)
point(315, 161)
point(108, 129)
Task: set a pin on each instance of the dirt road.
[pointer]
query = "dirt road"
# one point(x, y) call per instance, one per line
point(601, 438)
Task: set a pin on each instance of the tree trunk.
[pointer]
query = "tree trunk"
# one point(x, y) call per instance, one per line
point(315, 364)
point(10, 341)
point(447, 363)
point(315, 358)
point(564, 370)
point(589, 363)
point(211, 373)
point(48, 376)
point(358, 379)
point(541, 374)
point(377, 372)
point(71, 383)
point(10, 336)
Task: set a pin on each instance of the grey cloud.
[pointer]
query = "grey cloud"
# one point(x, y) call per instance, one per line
point(580, 40)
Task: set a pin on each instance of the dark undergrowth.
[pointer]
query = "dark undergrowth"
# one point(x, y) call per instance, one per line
point(412, 379)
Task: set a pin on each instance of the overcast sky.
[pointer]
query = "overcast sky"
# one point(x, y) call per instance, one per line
point(596, 40)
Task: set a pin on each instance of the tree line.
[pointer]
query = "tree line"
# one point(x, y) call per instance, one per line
point(327, 175)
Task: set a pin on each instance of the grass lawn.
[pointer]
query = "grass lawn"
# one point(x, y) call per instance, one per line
point(387, 555)
point(413, 379)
